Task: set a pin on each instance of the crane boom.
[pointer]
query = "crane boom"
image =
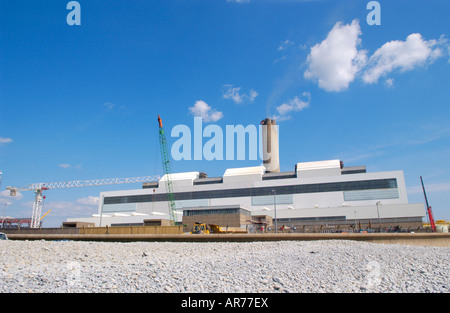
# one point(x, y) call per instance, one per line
point(167, 170)
point(430, 213)
point(40, 187)
point(86, 183)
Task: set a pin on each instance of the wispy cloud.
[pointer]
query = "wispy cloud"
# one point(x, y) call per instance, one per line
point(230, 92)
point(408, 139)
point(112, 106)
point(4, 140)
point(437, 187)
point(109, 106)
point(203, 110)
point(389, 82)
point(67, 165)
point(80, 207)
point(293, 105)
point(285, 44)
point(361, 155)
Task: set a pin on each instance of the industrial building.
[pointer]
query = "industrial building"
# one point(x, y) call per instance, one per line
point(313, 196)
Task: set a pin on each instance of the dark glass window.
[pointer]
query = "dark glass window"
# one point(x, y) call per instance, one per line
point(259, 191)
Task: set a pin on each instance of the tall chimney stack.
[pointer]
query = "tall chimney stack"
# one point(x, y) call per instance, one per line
point(271, 155)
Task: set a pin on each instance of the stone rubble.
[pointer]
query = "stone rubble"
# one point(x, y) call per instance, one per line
point(331, 266)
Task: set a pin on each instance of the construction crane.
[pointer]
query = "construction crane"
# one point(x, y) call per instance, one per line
point(40, 187)
point(167, 171)
point(430, 213)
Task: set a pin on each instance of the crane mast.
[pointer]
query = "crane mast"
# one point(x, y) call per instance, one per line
point(167, 170)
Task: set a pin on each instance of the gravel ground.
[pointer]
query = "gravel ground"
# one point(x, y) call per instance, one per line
point(266, 267)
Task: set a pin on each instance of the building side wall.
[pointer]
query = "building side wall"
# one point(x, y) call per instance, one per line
point(303, 204)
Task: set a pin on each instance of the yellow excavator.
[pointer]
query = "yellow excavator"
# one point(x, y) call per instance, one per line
point(200, 228)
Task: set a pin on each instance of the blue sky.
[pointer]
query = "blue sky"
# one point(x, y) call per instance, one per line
point(81, 101)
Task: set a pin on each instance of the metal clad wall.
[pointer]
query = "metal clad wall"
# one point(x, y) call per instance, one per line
point(179, 204)
point(375, 194)
point(121, 207)
point(268, 200)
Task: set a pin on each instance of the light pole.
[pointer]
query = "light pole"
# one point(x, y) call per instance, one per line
point(275, 208)
point(378, 212)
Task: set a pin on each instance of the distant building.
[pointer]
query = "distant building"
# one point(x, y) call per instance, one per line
point(314, 195)
point(321, 195)
point(224, 215)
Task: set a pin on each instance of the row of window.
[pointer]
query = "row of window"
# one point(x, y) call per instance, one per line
point(259, 191)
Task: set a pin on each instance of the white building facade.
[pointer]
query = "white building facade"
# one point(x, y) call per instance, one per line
point(315, 192)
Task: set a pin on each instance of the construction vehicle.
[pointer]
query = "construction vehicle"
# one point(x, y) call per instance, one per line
point(200, 228)
point(216, 229)
point(38, 189)
point(167, 171)
point(429, 212)
point(203, 228)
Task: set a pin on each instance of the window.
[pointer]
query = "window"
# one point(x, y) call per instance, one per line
point(390, 183)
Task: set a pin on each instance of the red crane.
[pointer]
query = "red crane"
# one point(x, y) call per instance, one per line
point(430, 213)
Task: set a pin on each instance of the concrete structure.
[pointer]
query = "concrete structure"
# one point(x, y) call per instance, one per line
point(314, 195)
point(271, 153)
point(416, 239)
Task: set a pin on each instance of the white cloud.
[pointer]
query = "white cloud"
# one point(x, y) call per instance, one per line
point(389, 82)
point(5, 140)
point(230, 92)
point(91, 200)
point(284, 57)
point(438, 187)
point(64, 165)
point(285, 44)
point(239, 1)
point(335, 61)
point(293, 105)
point(402, 55)
point(78, 208)
point(6, 198)
point(109, 106)
point(252, 95)
point(203, 110)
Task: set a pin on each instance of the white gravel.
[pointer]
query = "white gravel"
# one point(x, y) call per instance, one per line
point(288, 266)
